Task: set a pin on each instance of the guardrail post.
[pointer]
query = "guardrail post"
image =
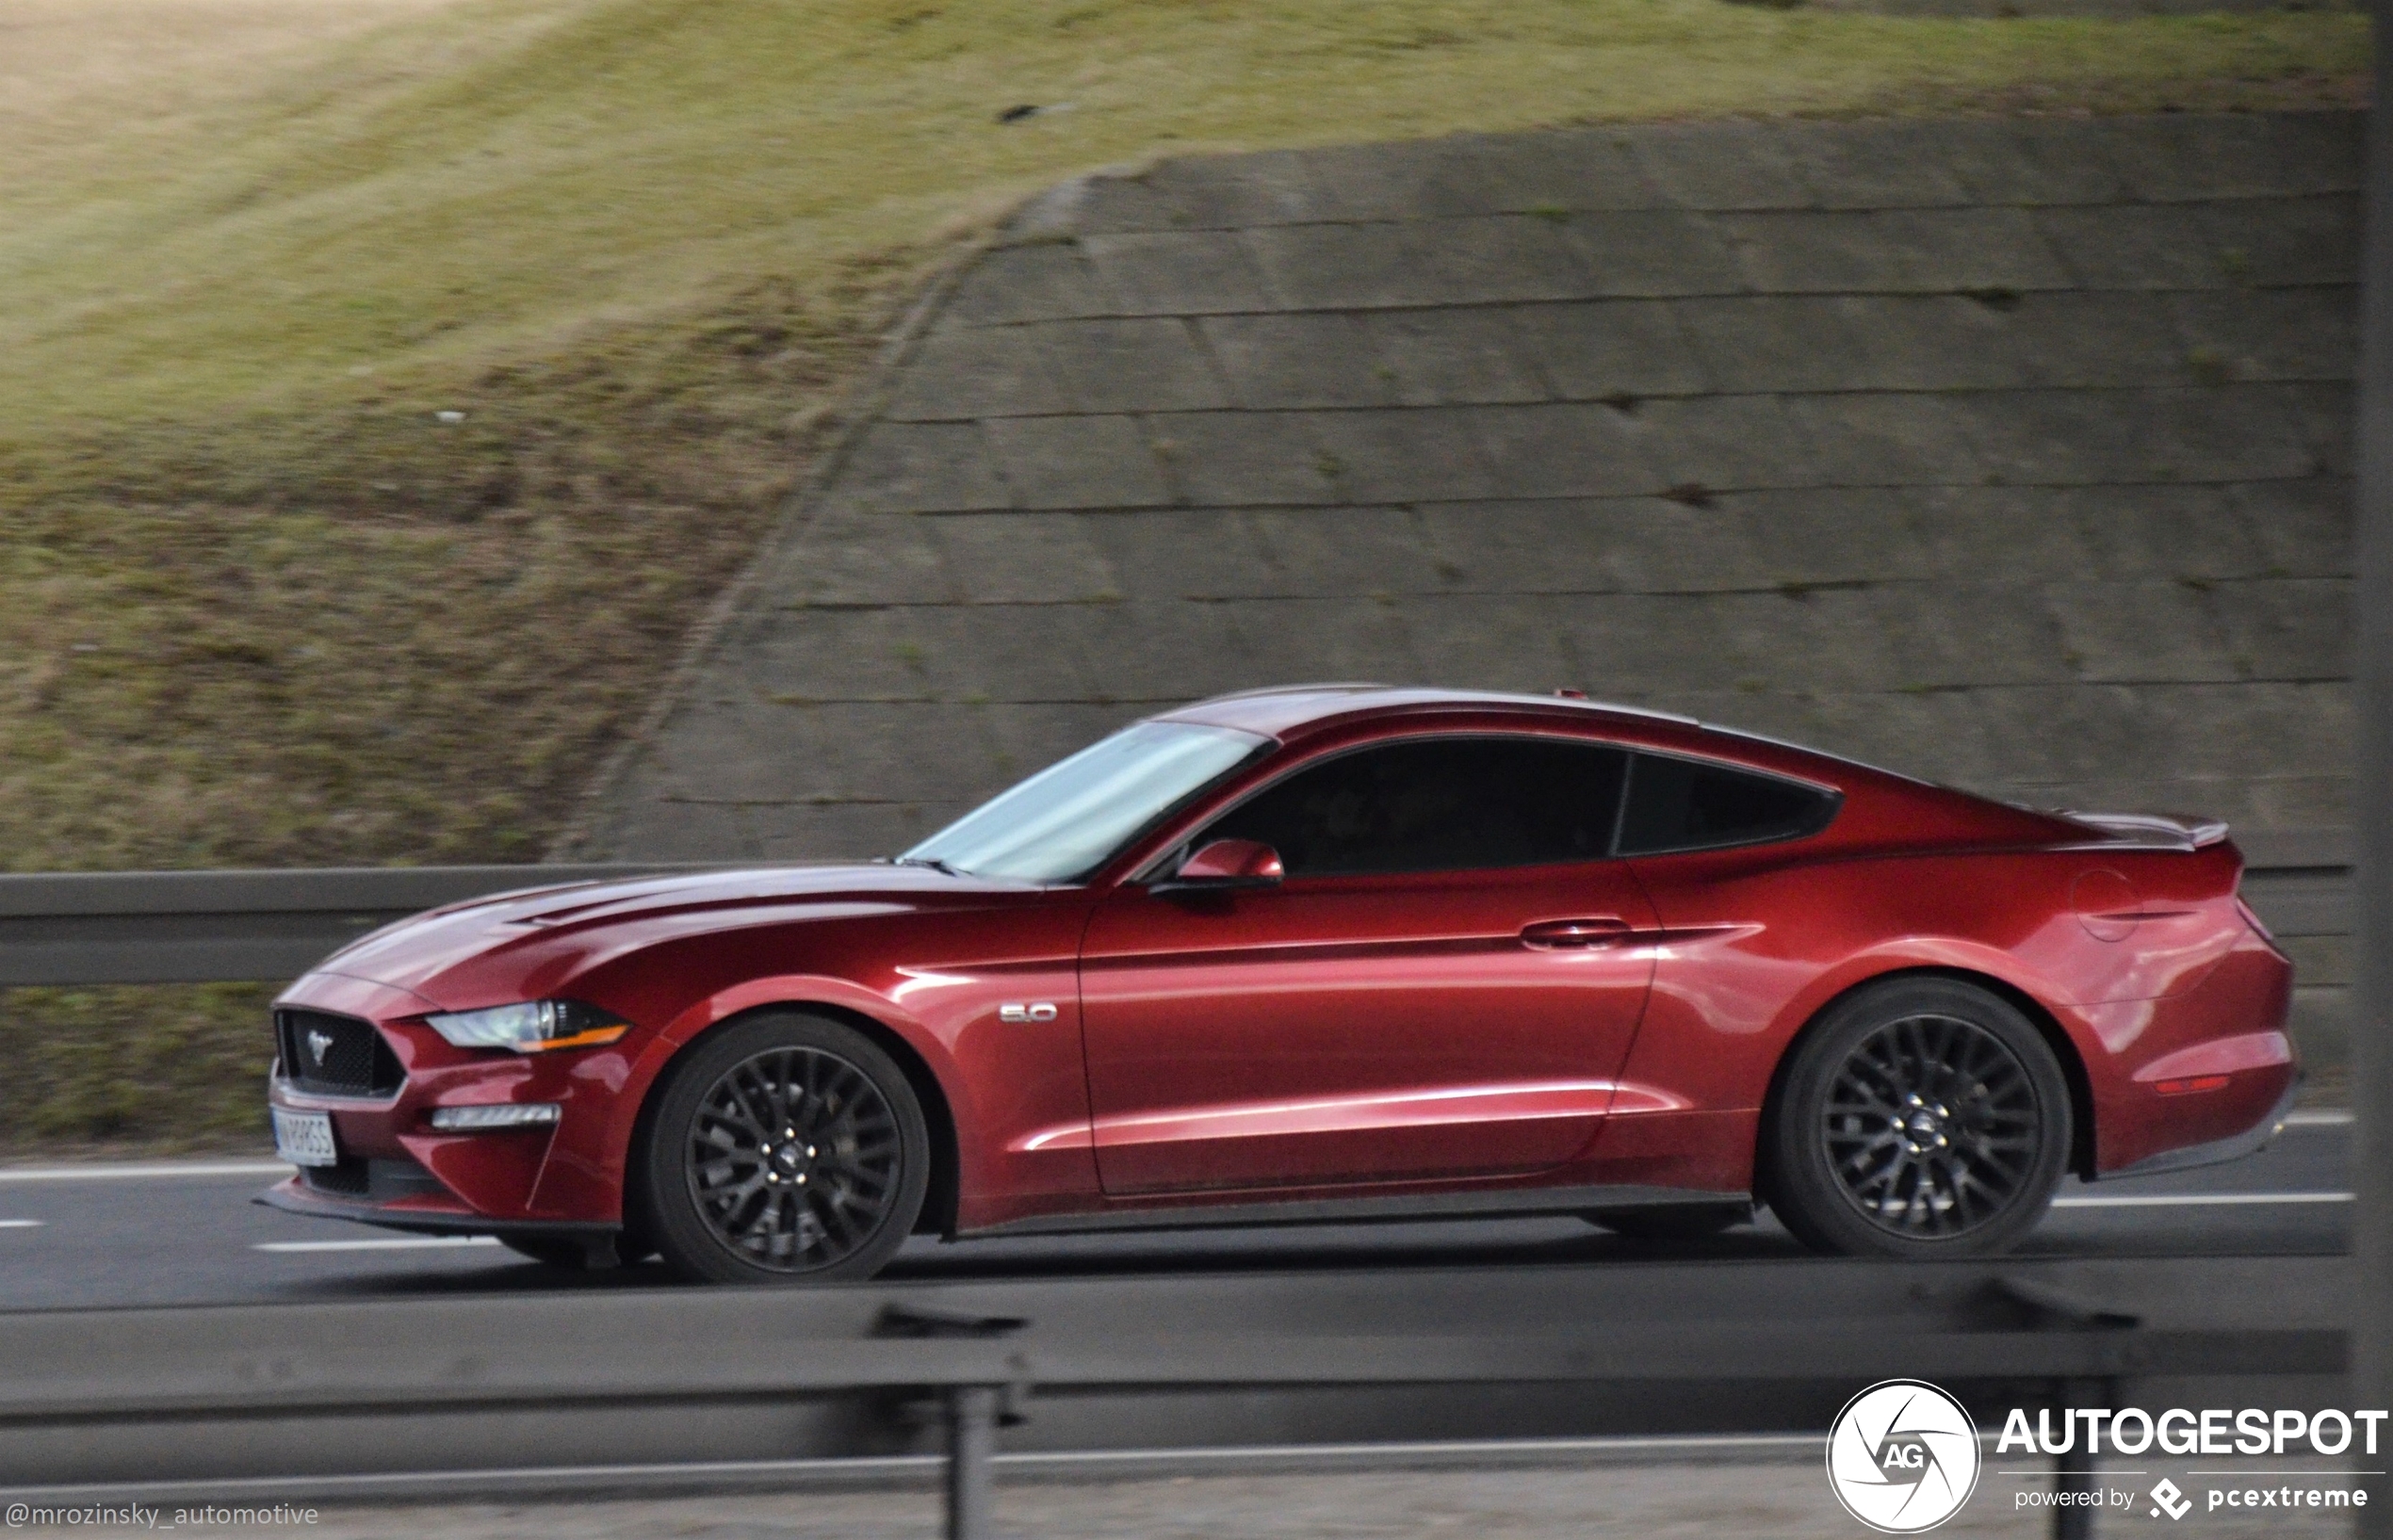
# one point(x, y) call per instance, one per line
point(2079, 1468)
point(2372, 1381)
point(2047, 1308)
point(973, 1412)
point(971, 1441)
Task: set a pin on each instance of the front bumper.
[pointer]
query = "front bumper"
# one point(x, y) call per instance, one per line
point(398, 1171)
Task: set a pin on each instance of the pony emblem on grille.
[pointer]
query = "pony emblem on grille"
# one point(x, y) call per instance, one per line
point(319, 1044)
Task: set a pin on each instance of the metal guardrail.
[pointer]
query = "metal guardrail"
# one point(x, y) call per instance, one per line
point(210, 927)
point(400, 1385)
point(226, 927)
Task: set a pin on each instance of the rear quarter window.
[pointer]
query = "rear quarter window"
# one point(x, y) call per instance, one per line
point(1692, 804)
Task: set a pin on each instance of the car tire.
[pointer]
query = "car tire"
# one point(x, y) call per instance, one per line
point(828, 1196)
point(1672, 1222)
point(1919, 1118)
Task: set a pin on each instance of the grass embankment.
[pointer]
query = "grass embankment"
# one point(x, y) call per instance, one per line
point(259, 604)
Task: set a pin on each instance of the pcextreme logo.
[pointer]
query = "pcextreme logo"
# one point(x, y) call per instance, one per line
point(1902, 1457)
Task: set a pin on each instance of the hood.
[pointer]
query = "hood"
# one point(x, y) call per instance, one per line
point(523, 943)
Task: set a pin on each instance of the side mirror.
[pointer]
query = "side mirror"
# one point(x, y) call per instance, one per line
point(1227, 864)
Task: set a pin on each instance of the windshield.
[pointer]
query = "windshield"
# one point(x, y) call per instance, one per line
point(1065, 820)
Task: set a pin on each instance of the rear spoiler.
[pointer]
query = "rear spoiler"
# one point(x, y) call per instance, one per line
point(2154, 830)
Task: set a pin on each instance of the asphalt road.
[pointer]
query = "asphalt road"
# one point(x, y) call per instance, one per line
point(186, 1233)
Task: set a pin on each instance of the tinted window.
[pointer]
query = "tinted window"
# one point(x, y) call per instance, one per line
point(1679, 805)
point(1441, 805)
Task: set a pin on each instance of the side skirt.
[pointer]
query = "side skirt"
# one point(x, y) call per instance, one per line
point(1510, 1203)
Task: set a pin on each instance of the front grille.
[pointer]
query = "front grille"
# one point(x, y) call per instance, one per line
point(354, 1176)
point(339, 1056)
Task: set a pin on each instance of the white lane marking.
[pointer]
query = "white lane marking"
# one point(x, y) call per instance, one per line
point(150, 1172)
point(414, 1242)
point(2318, 1120)
point(2171, 1200)
point(21, 1223)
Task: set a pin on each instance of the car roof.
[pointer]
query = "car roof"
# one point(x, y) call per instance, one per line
point(1289, 712)
point(1281, 710)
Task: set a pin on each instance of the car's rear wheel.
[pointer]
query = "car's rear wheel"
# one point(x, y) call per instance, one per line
point(1922, 1118)
point(785, 1148)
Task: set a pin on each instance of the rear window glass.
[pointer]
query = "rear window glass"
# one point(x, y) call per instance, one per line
point(1686, 804)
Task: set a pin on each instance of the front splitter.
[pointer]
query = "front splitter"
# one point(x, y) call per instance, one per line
point(293, 1198)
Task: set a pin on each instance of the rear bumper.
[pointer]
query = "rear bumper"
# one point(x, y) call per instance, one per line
point(2251, 1140)
point(2194, 1077)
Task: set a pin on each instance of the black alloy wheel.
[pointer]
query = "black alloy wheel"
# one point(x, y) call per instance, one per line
point(786, 1148)
point(1922, 1118)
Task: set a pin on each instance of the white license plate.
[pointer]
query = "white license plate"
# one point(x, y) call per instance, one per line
point(304, 1139)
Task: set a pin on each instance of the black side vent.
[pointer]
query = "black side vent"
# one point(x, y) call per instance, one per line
point(338, 1055)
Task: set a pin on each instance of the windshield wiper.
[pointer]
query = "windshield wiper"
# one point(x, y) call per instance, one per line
point(934, 862)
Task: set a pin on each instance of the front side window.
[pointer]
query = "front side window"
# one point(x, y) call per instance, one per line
point(1066, 821)
point(1437, 805)
point(1686, 804)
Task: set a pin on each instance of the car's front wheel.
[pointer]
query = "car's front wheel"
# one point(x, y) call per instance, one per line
point(785, 1148)
point(1921, 1117)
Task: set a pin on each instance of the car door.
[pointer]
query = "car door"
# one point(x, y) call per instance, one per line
point(1445, 984)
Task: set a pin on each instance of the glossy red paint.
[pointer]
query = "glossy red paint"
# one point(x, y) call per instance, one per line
point(1349, 1028)
point(1503, 1038)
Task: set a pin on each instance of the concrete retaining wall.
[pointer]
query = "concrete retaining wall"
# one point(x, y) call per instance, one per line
point(2008, 453)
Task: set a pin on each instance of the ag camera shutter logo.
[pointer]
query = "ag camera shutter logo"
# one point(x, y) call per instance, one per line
point(1902, 1457)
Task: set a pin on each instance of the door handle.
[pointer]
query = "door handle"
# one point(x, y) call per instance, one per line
point(1601, 931)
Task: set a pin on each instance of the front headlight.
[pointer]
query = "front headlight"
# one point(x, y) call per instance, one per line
point(536, 1026)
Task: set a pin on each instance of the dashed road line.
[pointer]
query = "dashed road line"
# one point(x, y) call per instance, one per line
point(2195, 1200)
point(151, 1171)
point(413, 1242)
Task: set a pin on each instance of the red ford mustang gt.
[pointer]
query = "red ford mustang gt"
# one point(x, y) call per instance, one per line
point(1313, 954)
